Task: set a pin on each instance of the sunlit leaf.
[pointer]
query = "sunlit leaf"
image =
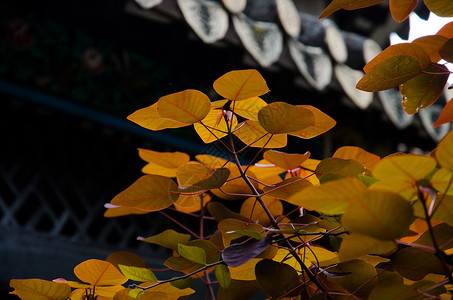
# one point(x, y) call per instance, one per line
point(126, 258)
point(404, 167)
point(390, 73)
point(366, 158)
point(252, 133)
point(213, 162)
point(323, 123)
point(378, 214)
point(267, 172)
point(287, 161)
point(222, 274)
point(442, 8)
point(446, 30)
point(149, 192)
point(234, 225)
point(403, 49)
point(216, 126)
point(415, 263)
point(235, 188)
point(98, 272)
point(192, 203)
point(424, 89)
point(442, 181)
point(356, 245)
point(101, 292)
point(339, 166)
point(444, 152)
point(162, 163)
point(249, 108)
point(138, 273)
point(118, 211)
point(219, 103)
point(252, 210)
point(195, 177)
point(188, 107)
point(241, 85)
point(331, 198)
point(245, 271)
point(240, 253)
point(149, 118)
point(238, 289)
point(185, 265)
point(169, 238)
point(281, 117)
point(431, 44)
point(277, 279)
point(287, 188)
point(446, 115)
point(40, 289)
point(348, 5)
point(192, 253)
point(401, 9)
point(312, 255)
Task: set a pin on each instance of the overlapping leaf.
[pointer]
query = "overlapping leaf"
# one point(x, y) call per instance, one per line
point(444, 152)
point(169, 238)
point(192, 203)
point(253, 211)
point(281, 117)
point(287, 188)
point(248, 108)
point(214, 126)
point(366, 158)
point(287, 161)
point(277, 279)
point(432, 44)
point(229, 227)
point(356, 246)
point(162, 163)
point(149, 118)
point(241, 85)
point(98, 272)
point(415, 263)
point(40, 289)
point(194, 177)
point(138, 273)
point(340, 167)
point(323, 123)
point(347, 5)
point(252, 133)
point(442, 8)
point(401, 9)
point(442, 181)
point(182, 264)
point(188, 107)
point(235, 188)
point(446, 115)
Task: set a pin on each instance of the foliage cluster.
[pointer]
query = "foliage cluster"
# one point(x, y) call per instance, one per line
point(351, 226)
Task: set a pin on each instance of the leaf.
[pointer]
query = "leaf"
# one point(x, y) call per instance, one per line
point(331, 198)
point(389, 73)
point(446, 115)
point(444, 152)
point(235, 187)
point(180, 263)
point(367, 159)
point(234, 225)
point(138, 273)
point(162, 163)
point(182, 283)
point(378, 214)
point(222, 274)
point(281, 117)
point(188, 107)
point(253, 211)
point(192, 253)
point(216, 126)
point(287, 161)
point(347, 5)
point(277, 279)
point(173, 293)
point(401, 9)
point(149, 118)
point(40, 289)
point(446, 30)
point(442, 181)
point(195, 177)
point(403, 49)
point(169, 238)
point(443, 209)
point(322, 124)
point(245, 232)
point(149, 192)
point(126, 258)
point(339, 166)
point(442, 8)
point(431, 44)
point(238, 290)
point(404, 167)
point(248, 109)
point(415, 263)
point(252, 133)
point(287, 188)
point(240, 253)
point(424, 89)
point(241, 85)
point(356, 245)
point(98, 272)
point(221, 212)
point(245, 271)
point(117, 211)
point(443, 235)
point(392, 290)
point(192, 203)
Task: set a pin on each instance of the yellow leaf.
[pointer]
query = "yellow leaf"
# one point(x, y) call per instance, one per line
point(241, 85)
point(235, 188)
point(281, 117)
point(444, 152)
point(252, 133)
point(40, 289)
point(442, 181)
point(188, 107)
point(216, 126)
point(245, 271)
point(366, 158)
point(98, 272)
point(322, 124)
point(248, 108)
point(162, 163)
point(252, 210)
point(287, 161)
point(149, 118)
point(355, 246)
point(190, 204)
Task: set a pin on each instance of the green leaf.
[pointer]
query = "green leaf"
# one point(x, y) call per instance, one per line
point(169, 238)
point(192, 253)
point(188, 107)
point(415, 263)
point(281, 117)
point(442, 8)
point(378, 214)
point(390, 73)
point(183, 283)
point(137, 273)
point(339, 166)
point(241, 85)
point(249, 233)
point(222, 274)
point(277, 279)
point(424, 89)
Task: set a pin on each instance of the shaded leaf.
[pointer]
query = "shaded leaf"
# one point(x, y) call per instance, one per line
point(238, 254)
point(149, 118)
point(339, 166)
point(312, 255)
point(192, 253)
point(221, 212)
point(117, 211)
point(182, 264)
point(442, 8)
point(182, 283)
point(249, 109)
point(431, 44)
point(367, 159)
point(443, 209)
point(378, 214)
point(287, 188)
point(192, 203)
point(138, 273)
point(98, 272)
point(446, 30)
point(188, 107)
point(287, 161)
point(149, 192)
point(424, 89)
point(241, 85)
point(222, 274)
point(195, 177)
point(253, 211)
point(238, 290)
point(169, 238)
point(281, 117)
point(323, 123)
point(126, 258)
point(40, 289)
point(252, 133)
point(162, 163)
point(234, 225)
point(443, 234)
point(347, 5)
point(401, 9)
point(216, 126)
point(245, 232)
point(356, 245)
point(389, 73)
point(444, 152)
point(415, 263)
point(236, 187)
point(442, 181)
point(246, 271)
point(446, 115)
point(173, 293)
point(277, 279)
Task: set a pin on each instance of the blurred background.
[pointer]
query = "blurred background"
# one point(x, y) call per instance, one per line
point(71, 72)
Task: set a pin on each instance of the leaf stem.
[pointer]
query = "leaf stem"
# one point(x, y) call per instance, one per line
point(179, 224)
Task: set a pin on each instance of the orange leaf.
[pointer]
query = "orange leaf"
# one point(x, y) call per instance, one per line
point(431, 44)
point(191, 173)
point(188, 107)
point(404, 49)
point(252, 133)
point(118, 211)
point(190, 204)
point(149, 192)
point(446, 52)
point(366, 158)
point(229, 225)
point(446, 115)
point(235, 186)
point(322, 124)
point(249, 108)
point(126, 258)
point(442, 8)
point(40, 289)
point(162, 163)
point(98, 272)
point(149, 118)
point(253, 211)
point(288, 187)
point(245, 271)
point(401, 9)
point(389, 73)
point(281, 117)
point(348, 5)
point(287, 161)
point(217, 126)
point(173, 293)
point(446, 30)
point(424, 89)
point(241, 85)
